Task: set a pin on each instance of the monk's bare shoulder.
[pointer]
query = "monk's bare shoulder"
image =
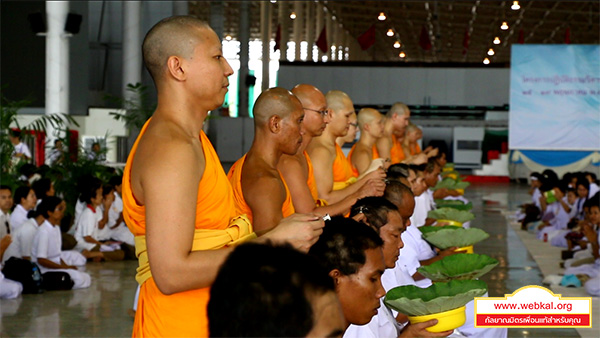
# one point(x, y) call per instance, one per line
point(166, 155)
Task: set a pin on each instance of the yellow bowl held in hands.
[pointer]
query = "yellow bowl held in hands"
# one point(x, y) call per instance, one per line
point(465, 249)
point(460, 191)
point(446, 222)
point(447, 320)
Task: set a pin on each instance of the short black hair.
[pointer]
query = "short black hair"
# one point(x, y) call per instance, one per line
point(47, 204)
point(15, 133)
point(5, 187)
point(375, 209)
point(41, 187)
point(116, 180)
point(21, 193)
point(89, 190)
point(343, 243)
point(107, 189)
point(265, 291)
point(398, 170)
point(395, 191)
point(430, 165)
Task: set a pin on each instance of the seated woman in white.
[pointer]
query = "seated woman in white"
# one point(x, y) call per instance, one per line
point(25, 200)
point(48, 241)
point(22, 237)
point(88, 225)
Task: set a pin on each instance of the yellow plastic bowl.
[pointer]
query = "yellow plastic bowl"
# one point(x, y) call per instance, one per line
point(452, 176)
point(447, 320)
point(448, 222)
point(465, 249)
point(460, 191)
point(451, 168)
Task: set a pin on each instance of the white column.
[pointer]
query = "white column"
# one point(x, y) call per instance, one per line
point(284, 19)
point(57, 63)
point(310, 29)
point(319, 28)
point(265, 33)
point(244, 37)
point(180, 8)
point(298, 6)
point(132, 40)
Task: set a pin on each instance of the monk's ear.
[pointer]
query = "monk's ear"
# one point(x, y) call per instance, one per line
point(336, 275)
point(275, 124)
point(175, 67)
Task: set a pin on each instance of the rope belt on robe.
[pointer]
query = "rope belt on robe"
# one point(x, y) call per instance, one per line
point(239, 231)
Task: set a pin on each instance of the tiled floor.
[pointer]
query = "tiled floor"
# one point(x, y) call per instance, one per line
point(101, 310)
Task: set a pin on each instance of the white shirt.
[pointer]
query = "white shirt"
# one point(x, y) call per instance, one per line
point(593, 190)
point(22, 240)
point(535, 198)
point(79, 206)
point(422, 207)
point(22, 148)
point(47, 244)
point(18, 217)
point(4, 220)
point(413, 238)
point(87, 225)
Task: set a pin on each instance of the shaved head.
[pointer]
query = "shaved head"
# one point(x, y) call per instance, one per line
point(398, 108)
point(367, 115)
point(274, 101)
point(173, 36)
point(308, 95)
point(337, 100)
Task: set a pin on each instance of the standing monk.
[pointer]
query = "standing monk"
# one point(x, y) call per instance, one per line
point(258, 188)
point(364, 151)
point(297, 169)
point(177, 200)
point(333, 174)
point(390, 145)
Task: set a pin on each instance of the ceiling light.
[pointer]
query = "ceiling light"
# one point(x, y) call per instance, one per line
point(491, 52)
point(228, 37)
point(390, 32)
point(402, 55)
point(504, 25)
point(273, 1)
point(293, 15)
point(381, 16)
point(515, 6)
point(496, 41)
point(486, 61)
point(397, 44)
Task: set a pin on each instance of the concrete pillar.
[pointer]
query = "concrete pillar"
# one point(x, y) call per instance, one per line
point(180, 8)
point(310, 29)
point(319, 27)
point(57, 63)
point(265, 33)
point(217, 20)
point(284, 20)
point(244, 37)
point(298, 26)
point(132, 54)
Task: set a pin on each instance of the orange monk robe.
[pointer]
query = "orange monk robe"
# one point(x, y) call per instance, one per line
point(342, 171)
point(396, 153)
point(241, 207)
point(182, 314)
point(310, 181)
point(375, 154)
point(415, 150)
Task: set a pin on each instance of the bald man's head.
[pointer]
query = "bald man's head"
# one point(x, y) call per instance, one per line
point(314, 103)
point(398, 108)
point(176, 35)
point(274, 101)
point(337, 100)
point(308, 95)
point(366, 116)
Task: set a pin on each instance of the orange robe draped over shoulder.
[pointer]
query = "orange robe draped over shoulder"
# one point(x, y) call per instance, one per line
point(310, 181)
point(181, 314)
point(396, 153)
point(241, 207)
point(342, 171)
point(415, 150)
point(375, 154)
